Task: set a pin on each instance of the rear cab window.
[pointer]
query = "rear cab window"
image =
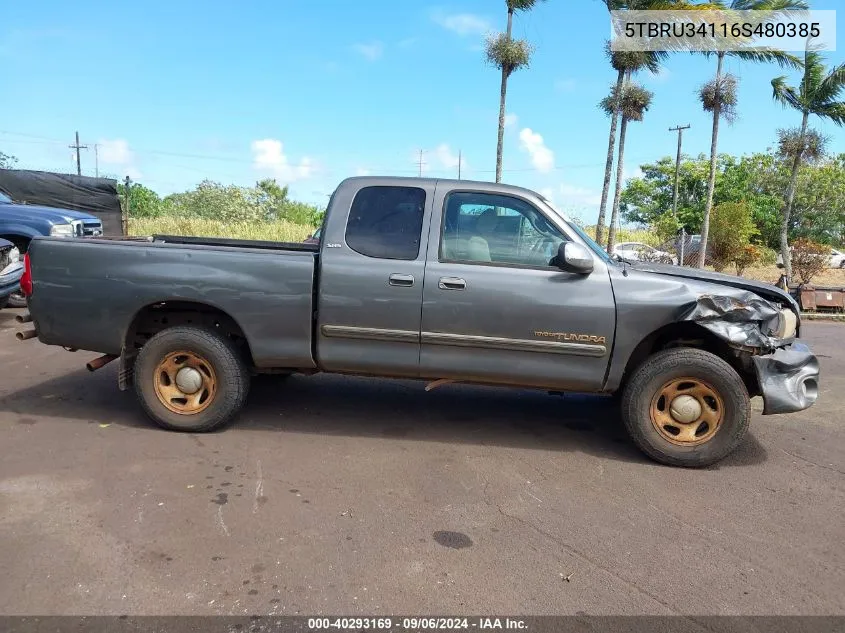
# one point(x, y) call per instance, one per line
point(385, 222)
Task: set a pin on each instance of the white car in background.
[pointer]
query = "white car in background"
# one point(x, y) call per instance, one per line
point(637, 251)
point(837, 258)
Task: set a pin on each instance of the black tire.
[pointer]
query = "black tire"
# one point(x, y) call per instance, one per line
point(230, 372)
point(17, 300)
point(4, 302)
point(648, 380)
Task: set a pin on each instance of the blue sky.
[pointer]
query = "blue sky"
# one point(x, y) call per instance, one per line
point(311, 92)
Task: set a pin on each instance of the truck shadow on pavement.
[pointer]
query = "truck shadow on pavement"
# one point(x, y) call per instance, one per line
point(363, 407)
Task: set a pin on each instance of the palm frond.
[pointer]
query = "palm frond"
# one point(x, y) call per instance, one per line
point(785, 94)
point(811, 146)
point(768, 55)
point(832, 85)
point(507, 54)
point(770, 5)
point(832, 111)
point(721, 93)
point(521, 5)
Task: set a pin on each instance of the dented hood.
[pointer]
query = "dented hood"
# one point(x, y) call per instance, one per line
point(768, 291)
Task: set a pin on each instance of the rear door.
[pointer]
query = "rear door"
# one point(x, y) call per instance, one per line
point(371, 273)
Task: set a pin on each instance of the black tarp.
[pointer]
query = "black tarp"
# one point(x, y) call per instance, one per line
point(97, 196)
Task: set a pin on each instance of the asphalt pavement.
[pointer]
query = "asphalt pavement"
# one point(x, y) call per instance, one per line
point(361, 496)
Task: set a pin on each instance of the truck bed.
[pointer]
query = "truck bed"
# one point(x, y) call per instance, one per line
point(88, 293)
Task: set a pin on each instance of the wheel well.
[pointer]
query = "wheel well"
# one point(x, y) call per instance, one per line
point(159, 316)
point(21, 241)
point(689, 334)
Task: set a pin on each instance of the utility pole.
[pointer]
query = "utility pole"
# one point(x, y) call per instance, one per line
point(680, 130)
point(96, 160)
point(459, 164)
point(127, 206)
point(78, 147)
point(420, 162)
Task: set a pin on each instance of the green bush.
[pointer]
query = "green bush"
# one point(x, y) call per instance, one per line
point(768, 256)
point(731, 230)
point(809, 258)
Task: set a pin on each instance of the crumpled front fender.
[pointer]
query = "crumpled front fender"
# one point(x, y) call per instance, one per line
point(788, 378)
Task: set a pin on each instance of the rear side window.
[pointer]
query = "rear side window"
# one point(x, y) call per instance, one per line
point(386, 222)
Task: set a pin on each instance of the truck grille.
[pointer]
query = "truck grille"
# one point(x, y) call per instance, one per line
point(91, 228)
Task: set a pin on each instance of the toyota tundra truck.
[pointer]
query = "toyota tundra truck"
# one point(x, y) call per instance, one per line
point(446, 281)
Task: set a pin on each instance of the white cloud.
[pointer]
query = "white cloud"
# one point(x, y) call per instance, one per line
point(362, 171)
point(370, 51)
point(628, 173)
point(463, 24)
point(115, 154)
point(511, 119)
point(268, 156)
point(541, 156)
point(448, 159)
point(574, 196)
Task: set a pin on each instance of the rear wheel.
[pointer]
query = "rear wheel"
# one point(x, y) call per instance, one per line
point(190, 379)
point(18, 299)
point(686, 407)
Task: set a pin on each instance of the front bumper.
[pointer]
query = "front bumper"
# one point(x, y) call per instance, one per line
point(788, 378)
point(10, 279)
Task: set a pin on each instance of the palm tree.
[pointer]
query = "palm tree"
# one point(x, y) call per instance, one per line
point(625, 63)
point(508, 55)
point(821, 93)
point(718, 96)
point(632, 101)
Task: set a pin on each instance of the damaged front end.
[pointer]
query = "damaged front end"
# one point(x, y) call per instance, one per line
point(766, 334)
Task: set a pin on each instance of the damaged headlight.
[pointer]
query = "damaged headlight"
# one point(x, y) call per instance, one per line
point(787, 324)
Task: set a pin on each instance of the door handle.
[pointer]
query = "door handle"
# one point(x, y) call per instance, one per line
point(452, 283)
point(400, 280)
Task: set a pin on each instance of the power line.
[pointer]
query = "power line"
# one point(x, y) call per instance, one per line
point(244, 161)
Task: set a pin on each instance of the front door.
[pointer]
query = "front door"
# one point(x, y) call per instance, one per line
point(371, 279)
point(495, 308)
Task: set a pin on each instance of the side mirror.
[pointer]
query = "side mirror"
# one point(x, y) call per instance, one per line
point(574, 258)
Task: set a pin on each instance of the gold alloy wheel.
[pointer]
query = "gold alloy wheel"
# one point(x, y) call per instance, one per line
point(687, 411)
point(185, 382)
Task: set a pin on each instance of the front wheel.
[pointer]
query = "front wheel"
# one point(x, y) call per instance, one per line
point(686, 407)
point(190, 379)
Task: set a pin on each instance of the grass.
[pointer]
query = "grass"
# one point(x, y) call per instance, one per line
point(276, 231)
point(643, 236)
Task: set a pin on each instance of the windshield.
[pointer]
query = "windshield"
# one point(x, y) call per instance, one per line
point(591, 244)
point(598, 250)
point(5, 198)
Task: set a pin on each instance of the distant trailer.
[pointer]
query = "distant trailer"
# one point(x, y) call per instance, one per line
point(97, 196)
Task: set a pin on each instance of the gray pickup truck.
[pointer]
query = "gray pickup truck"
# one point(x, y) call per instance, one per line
point(440, 280)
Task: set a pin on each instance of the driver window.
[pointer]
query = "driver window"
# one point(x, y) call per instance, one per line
point(498, 229)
